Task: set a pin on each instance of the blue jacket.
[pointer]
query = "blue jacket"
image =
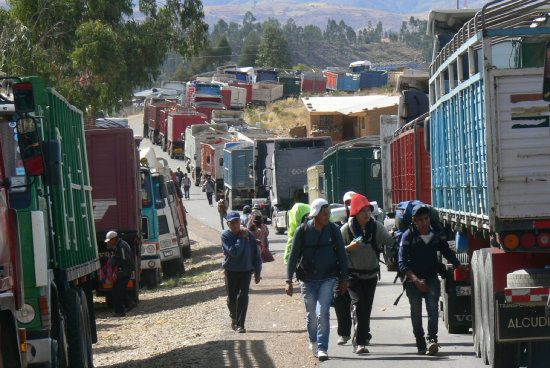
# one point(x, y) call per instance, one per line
point(420, 257)
point(240, 254)
point(330, 257)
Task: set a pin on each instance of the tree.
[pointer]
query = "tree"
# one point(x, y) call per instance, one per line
point(222, 52)
point(221, 28)
point(94, 52)
point(273, 50)
point(250, 50)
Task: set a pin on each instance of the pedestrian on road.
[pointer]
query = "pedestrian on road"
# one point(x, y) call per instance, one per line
point(319, 249)
point(179, 175)
point(209, 185)
point(222, 210)
point(418, 261)
point(123, 260)
point(186, 185)
point(297, 214)
point(364, 238)
point(241, 259)
point(259, 229)
point(342, 301)
point(245, 217)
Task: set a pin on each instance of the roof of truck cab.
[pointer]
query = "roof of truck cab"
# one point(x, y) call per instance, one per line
point(347, 105)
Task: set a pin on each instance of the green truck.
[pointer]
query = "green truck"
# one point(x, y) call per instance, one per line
point(49, 187)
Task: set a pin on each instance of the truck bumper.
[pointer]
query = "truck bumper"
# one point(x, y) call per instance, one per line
point(150, 263)
point(39, 351)
point(168, 254)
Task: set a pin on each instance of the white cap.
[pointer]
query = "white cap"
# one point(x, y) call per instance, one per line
point(348, 196)
point(315, 206)
point(110, 235)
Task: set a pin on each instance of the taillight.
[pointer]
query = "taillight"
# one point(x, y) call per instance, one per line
point(544, 240)
point(462, 275)
point(511, 241)
point(23, 339)
point(44, 309)
point(528, 240)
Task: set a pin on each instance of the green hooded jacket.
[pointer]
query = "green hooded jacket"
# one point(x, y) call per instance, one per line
point(295, 216)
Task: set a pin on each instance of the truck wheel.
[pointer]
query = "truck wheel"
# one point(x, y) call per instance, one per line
point(181, 266)
point(148, 278)
point(158, 277)
point(168, 269)
point(476, 305)
point(76, 330)
point(59, 331)
point(9, 341)
point(87, 326)
point(485, 253)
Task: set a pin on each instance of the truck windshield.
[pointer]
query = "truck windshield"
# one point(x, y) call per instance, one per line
point(159, 201)
point(146, 192)
point(15, 171)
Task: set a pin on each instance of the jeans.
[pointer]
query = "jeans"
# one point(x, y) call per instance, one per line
point(317, 299)
point(222, 218)
point(209, 197)
point(237, 284)
point(361, 292)
point(432, 298)
point(120, 297)
point(342, 307)
point(186, 191)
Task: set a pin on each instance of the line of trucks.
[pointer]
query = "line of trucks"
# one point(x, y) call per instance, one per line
point(62, 188)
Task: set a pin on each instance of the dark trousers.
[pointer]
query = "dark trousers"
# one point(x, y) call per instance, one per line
point(237, 284)
point(222, 218)
point(120, 297)
point(342, 307)
point(186, 191)
point(432, 298)
point(361, 292)
point(209, 197)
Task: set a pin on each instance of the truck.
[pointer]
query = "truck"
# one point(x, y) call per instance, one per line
point(388, 125)
point(264, 93)
point(177, 122)
point(229, 117)
point(238, 184)
point(12, 288)
point(171, 257)
point(212, 163)
point(50, 192)
point(114, 173)
point(287, 174)
point(154, 122)
point(488, 140)
point(194, 136)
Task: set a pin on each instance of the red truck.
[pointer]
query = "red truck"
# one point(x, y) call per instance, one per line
point(177, 122)
point(114, 174)
point(12, 339)
point(410, 164)
point(212, 163)
point(155, 119)
point(206, 107)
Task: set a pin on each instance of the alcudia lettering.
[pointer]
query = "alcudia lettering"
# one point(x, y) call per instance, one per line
point(529, 322)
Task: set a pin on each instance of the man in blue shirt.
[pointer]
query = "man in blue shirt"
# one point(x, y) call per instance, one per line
point(418, 261)
point(241, 259)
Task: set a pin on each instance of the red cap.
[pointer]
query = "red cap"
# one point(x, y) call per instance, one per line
point(358, 202)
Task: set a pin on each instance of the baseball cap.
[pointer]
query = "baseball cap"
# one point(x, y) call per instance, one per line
point(348, 196)
point(419, 207)
point(358, 202)
point(232, 216)
point(110, 235)
point(315, 207)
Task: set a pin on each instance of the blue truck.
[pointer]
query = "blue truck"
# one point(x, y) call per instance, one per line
point(238, 185)
point(489, 142)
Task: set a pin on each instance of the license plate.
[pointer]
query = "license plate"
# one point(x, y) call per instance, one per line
point(168, 253)
point(463, 290)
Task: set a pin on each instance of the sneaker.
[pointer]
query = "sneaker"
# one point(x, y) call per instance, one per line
point(342, 340)
point(421, 345)
point(361, 349)
point(234, 324)
point(433, 348)
point(241, 330)
point(313, 348)
point(322, 355)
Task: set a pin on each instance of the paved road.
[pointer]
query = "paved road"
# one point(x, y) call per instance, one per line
point(392, 344)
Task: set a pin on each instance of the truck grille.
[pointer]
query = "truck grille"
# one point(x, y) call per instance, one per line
point(165, 243)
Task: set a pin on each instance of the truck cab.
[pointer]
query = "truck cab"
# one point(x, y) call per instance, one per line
point(150, 256)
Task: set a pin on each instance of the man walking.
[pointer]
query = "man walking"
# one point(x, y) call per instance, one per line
point(418, 261)
point(124, 261)
point(179, 175)
point(319, 248)
point(209, 187)
point(222, 210)
point(241, 259)
point(186, 185)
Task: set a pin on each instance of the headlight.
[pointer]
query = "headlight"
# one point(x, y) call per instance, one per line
point(151, 264)
point(26, 314)
point(151, 249)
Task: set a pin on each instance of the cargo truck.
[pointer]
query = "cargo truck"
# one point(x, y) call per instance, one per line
point(233, 118)
point(388, 125)
point(488, 141)
point(212, 163)
point(114, 173)
point(12, 298)
point(238, 184)
point(51, 193)
point(177, 122)
point(154, 119)
point(287, 174)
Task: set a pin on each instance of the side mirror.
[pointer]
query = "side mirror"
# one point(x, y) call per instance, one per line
point(29, 146)
point(546, 80)
point(23, 97)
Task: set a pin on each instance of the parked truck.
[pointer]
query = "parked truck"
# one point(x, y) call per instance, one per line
point(194, 136)
point(286, 176)
point(114, 173)
point(212, 163)
point(233, 118)
point(12, 297)
point(177, 122)
point(50, 191)
point(388, 125)
point(489, 139)
point(238, 184)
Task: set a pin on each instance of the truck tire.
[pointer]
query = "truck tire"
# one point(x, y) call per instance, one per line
point(10, 355)
point(485, 253)
point(528, 277)
point(477, 332)
point(169, 268)
point(59, 332)
point(87, 317)
point(76, 330)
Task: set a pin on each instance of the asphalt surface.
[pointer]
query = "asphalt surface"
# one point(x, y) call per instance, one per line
point(393, 343)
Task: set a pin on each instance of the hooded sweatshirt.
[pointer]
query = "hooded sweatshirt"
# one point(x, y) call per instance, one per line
point(294, 220)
